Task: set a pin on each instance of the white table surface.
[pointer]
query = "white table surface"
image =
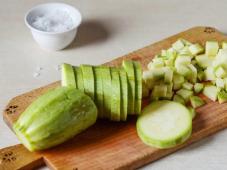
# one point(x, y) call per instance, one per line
point(110, 29)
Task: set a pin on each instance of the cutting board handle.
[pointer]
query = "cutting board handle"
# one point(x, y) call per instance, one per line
point(18, 157)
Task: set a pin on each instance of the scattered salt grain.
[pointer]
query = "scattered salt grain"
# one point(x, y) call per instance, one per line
point(58, 67)
point(39, 68)
point(53, 21)
point(36, 74)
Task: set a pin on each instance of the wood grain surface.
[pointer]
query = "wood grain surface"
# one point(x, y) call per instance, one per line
point(111, 145)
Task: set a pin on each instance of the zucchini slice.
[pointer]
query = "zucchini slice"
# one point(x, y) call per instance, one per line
point(164, 124)
point(89, 80)
point(67, 76)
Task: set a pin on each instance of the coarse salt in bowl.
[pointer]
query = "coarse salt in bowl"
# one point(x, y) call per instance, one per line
point(53, 25)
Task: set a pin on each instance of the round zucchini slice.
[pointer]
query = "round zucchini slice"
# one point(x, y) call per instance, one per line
point(164, 124)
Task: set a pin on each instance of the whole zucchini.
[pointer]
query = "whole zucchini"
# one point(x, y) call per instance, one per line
point(55, 117)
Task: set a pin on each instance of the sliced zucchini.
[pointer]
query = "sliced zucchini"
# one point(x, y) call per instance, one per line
point(129, 68)
point(187, 86)
point(164, 124)
point(178, 45)
point(222, 97)
point(204, 61)
point(220, 83)
point(220, 72)
point(89, 80)
point(168, 77)
point(211, 48)
point(198, 87)
point(185, 94)
point(196, 101)
point(209, 74)
point(138, 86)
point(159, 91)
point(124, 94)
point(196, 49)
point(79, 78)
point(115, 96)
point(99, 95)
point(178, 80)
point(211, 92)
point(107, 90)
point(67, 76)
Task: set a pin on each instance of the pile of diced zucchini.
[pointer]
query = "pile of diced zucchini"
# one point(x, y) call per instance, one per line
point(185, 70)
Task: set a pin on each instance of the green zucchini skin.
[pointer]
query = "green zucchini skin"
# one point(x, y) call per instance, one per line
point(55, 117)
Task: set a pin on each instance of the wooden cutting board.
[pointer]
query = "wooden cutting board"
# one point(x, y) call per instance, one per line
point(111, 145)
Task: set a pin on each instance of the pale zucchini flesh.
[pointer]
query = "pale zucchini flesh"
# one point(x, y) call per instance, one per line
point(129, 68)
point(164, 124)
point(115, 96)
point(89, 80)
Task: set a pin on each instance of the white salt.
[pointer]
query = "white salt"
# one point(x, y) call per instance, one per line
point(53, 21)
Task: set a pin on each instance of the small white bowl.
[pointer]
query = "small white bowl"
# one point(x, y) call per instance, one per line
point(53, 40)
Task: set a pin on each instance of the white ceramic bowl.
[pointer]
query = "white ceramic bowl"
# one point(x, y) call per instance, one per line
point(53, 40)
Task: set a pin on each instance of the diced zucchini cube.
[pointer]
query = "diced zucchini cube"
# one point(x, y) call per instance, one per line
point(220, 59)
point(178, 99)
point(224, 45)
point(187, 85)
point(211, 92)
point(168, 77)
point(220, 72)
point(178, 45)
point(220, 83)
point(222, 97)
point(198, 87)
point(171, 53)
point(204, 61)
point(185, 94)
point(193, 76)
point(158, 73)
point(196, 49)
point(201, 75)
point(185, 51)
point(211, 48)
point(182, 60)
point(183, 70)
point(148, 79)
point(196, 101)
point(159, 91)
point(209, 74)
point(178, 80)
point(164, 53)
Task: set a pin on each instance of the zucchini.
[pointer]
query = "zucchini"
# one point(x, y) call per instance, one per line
point(211, 48)
point(164, 124)
point(67, 76)
point(211, 92)
point(55, 117)
point(196, 101)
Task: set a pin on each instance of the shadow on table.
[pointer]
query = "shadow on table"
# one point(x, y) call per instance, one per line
point(90, 32)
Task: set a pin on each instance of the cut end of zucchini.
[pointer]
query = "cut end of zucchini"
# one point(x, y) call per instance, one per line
point(212, 48)
point(196, 101)
point(222, 97)
point(211, 92)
